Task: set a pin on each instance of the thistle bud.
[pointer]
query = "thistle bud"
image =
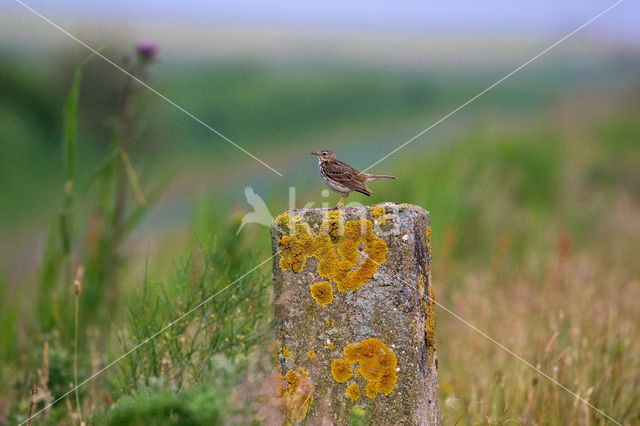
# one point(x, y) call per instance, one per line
point(147, 51)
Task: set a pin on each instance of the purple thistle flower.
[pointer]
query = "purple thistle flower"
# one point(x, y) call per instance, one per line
point(147, 51)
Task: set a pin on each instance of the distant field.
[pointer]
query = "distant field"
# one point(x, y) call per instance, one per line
point(280, 104)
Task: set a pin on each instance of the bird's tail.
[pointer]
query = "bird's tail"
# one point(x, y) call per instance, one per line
point(374, 177)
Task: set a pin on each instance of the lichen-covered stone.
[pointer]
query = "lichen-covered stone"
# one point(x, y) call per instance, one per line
point(376, 334)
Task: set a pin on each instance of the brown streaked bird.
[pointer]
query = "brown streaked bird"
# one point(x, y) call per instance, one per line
point(343, 178)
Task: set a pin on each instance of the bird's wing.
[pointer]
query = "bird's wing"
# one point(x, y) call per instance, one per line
point(347, 176)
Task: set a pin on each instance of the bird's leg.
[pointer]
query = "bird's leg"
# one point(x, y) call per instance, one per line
point(341, 202)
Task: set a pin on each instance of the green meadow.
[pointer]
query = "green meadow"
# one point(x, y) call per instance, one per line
point(120, 212)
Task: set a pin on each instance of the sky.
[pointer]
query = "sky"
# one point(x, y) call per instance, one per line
point(539, 18)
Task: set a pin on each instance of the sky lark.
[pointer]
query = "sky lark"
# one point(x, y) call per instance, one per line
point(343, 178)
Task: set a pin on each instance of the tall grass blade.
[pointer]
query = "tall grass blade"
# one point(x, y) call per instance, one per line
point(70, 156)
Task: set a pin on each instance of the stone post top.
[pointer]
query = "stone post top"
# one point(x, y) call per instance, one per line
point(386, 208)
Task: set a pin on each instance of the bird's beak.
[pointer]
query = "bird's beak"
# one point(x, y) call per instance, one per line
point(314, 153)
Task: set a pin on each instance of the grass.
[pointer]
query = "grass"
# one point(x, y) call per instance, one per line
point(535, 243)
point(518, 263)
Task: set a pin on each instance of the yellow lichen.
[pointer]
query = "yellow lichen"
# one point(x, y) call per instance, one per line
point(333, 223)
point(341, 370)
point(427, 239)
point(276, 350)
point(283, 220)
point(376, 364)
point(297, 394)
point(286, 352)
point(303, 371)
point(353, 392)
point(421, 289)
point(377, 211)
point(388, 383)
point(292, 378)
point(379, 214)
point(371, 390)
point(337, 248)
point(296, 246)
point(322, 292)
point(311, 354)
point(430, 323)
point(331, 346)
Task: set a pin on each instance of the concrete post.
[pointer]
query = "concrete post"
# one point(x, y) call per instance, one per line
point(354, 315)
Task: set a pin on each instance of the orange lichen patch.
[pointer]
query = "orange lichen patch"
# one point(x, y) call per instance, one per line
point(388, 383)
point(376, 364)
point(337, 247)
point(297, 394)
point(377, 211)
point(322, 292)
point(371, 390)
point(286, 352)
point(341, 370)
point(292, 378)
point(427, 238)
point(294, 252)
point(431, 318)
point(430, 323)
point(276, 350)
point(311, 354)
point(379, 214)
point(296, 246)
point(303, 371)
point(283, 220)
point(339, 261)
point(353, 392)
point(333, 224)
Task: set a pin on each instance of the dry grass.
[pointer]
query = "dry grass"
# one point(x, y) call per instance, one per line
point(576, 329)
point(573, 314)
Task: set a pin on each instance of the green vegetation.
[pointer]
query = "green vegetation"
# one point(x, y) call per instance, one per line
point(534, 202)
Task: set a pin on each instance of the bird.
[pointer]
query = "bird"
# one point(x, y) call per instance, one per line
point(342, 178)
point(260, 213)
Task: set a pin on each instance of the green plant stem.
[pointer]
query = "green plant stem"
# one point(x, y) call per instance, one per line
point(76, 326)
point(133, 179)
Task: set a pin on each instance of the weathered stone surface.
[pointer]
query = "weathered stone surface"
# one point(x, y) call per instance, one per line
point(354, 314)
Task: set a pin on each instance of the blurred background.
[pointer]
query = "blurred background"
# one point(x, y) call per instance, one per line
point(533, 190)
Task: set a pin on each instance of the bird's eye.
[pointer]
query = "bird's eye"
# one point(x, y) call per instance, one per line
point(324, 154)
